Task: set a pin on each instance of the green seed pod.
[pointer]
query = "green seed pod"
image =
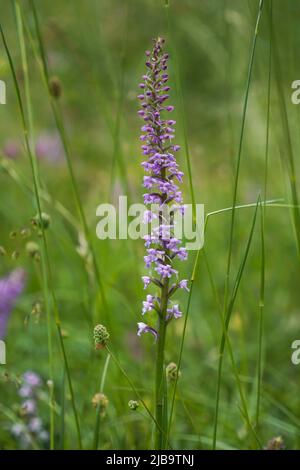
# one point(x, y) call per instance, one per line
point(172, 372)
point(33, 249)
point(100, 400)
point(101, 336)
point(43, 223)
point(133, 405)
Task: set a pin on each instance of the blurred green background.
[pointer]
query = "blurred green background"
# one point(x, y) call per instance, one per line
point(96, 49)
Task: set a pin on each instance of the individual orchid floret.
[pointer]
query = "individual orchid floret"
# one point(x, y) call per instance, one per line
point(146, 281)
point(183, 285)
point(165, 270)
point(174, 312)
point(148, 304)
point(144, 328)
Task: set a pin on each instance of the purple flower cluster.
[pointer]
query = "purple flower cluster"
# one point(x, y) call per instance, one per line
point(11, 287)
point(161, 180)
point(31, 427)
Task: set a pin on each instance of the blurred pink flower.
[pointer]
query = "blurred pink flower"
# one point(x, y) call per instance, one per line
point(12, 148)
point(11, 288)
point(49, 148)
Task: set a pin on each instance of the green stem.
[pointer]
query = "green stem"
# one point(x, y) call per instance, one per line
point(160, 402)
point(101, 389)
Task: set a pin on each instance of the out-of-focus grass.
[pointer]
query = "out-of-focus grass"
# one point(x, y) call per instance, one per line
point(96, 49)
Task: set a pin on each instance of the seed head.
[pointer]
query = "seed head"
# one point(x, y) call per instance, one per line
point(133, 405)
point(276, 443)
point(33, 250)
point(41, 222)
point(100, 400)
point(101, 336)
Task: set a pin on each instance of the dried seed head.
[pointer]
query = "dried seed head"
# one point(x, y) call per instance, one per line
point(133, 405)
point(55, 87)
point(33, 249)
point(100, 400)
point(41, 222)
point(276, 443)
point(172, 372)
point(101, 336)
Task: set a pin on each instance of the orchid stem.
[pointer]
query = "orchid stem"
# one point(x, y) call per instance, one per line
point(160, 402)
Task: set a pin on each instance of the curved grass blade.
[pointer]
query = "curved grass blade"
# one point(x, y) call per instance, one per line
point(44, 241)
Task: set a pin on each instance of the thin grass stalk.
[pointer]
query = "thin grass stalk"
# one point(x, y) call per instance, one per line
point(45, 246)
point(20, 32)
point(244, 410)
point(61, 130)
point(225, 328)
point(288, 155)
point(122, 370)
point(62, 411)
point(101, 389)
point(117, 153)
point(263, 215)
point(236, 181)
point(181, 113)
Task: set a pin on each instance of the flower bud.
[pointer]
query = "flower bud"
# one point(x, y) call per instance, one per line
point(2, 251)
point(133, 405)
point(172, 372)
point(33, 249)
point(101, 336)
point(100, 400)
